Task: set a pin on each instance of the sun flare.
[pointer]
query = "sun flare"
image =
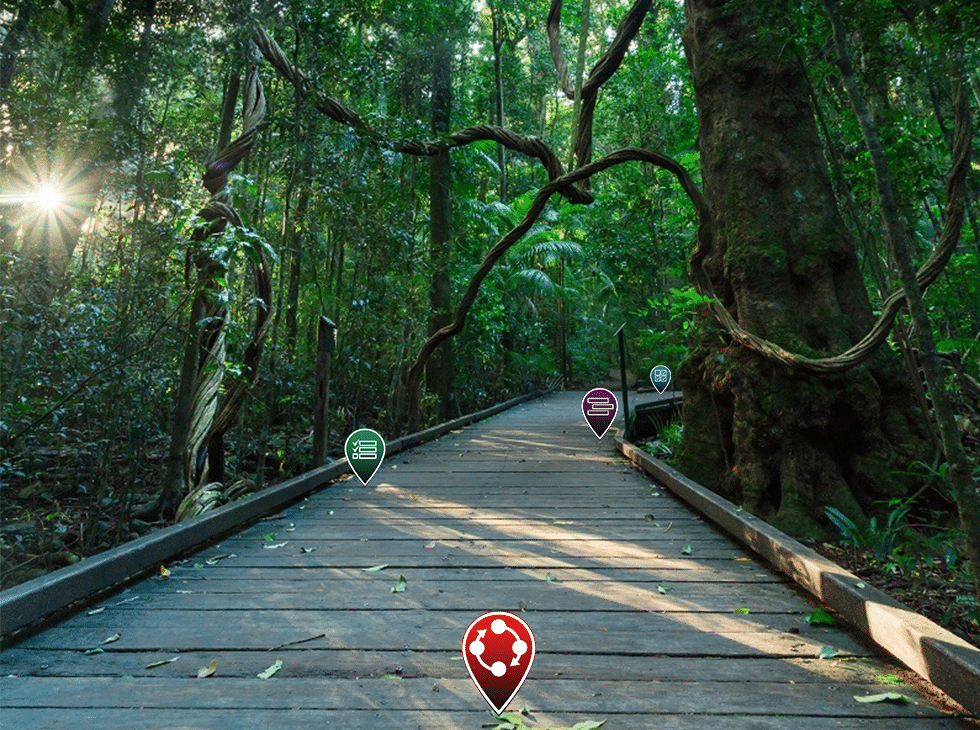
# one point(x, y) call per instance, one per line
point(48, 197)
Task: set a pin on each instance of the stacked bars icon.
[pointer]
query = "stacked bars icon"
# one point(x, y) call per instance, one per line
point(365, 449)
point(600, 406)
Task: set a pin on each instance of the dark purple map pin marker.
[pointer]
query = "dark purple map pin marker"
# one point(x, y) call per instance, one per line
point(599, 406)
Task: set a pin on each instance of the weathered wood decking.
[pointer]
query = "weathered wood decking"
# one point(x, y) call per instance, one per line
point(524, 512)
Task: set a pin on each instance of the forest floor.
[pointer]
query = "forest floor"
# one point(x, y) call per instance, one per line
point(939, 593)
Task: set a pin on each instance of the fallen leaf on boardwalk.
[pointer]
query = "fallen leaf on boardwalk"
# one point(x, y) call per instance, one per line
point(96, 610)
point(649, 518)
point(375, 568)
point(291, 528)
point(276, 545)
point(164, 573)
point(664, 589)
point(391, 677)
point(269, 536)
point(669, 525)
point(271, 671)
point(550, 578)
point(128, 600)
point(303, 550)
point(112, 639)
point(215, 558)
point(208, 670)
point(96, 650)
point(400, 586)
point(154, 665)
point(741, 611)
point(893, 697)
point(430, 545)
point(686, 550)
point(820, 617)
point(185, 591)
point(413, 497)
point(588, 725)
point(743, 560)
point(828, 652)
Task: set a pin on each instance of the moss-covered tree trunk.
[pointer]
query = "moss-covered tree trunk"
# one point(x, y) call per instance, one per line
point(783, 443)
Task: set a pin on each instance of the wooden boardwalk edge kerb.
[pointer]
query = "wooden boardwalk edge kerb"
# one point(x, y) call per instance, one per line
point(931, 651)
point(51, 594)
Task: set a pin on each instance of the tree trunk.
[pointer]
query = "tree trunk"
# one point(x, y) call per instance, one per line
point(497, 18)
point(439, 370)
point(783, 443)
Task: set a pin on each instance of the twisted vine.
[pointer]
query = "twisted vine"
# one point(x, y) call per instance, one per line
point(211, 416)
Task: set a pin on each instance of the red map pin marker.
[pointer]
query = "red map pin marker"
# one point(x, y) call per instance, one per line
point(599, 406)
point(498, 649)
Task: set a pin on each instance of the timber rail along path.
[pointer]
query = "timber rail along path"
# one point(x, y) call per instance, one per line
point(644, 615)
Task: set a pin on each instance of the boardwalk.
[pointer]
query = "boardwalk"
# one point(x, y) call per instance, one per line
point(526, 512)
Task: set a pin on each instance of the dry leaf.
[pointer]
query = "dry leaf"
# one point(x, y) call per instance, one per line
point(164, 573)
point(271, 671)
point(112, 639)
point(208, 670)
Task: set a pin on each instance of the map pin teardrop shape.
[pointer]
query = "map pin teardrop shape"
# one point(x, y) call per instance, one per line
point(365, 450)
point(498, 649)
point(599, 406)
point(660, 377)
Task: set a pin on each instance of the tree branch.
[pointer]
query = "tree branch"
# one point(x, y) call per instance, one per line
point(530, 146)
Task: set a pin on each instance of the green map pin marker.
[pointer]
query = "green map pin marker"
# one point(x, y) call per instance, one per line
point(365, 450)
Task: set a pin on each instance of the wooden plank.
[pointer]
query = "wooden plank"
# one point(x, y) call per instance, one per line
point(228, 577)
point(536, 596)
point(540, 695)
point(223, 719)
point(398, 629)
point(457, 559)
point(299, 661)
point(938, 655)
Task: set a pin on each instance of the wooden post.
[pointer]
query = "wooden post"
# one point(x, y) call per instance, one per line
point(326, 334)
point(627, 426)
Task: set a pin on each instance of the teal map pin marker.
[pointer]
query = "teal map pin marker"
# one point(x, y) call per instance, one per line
point(660, 377)
point(365, 450)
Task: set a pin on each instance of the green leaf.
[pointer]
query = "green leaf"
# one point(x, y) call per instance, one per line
point(893, 697)
point(375, 568)
point(741, 611)
point(96, 650)
point(820, 617)
point(827, 652)
point(269, 536)
point(271, 671)
point(664, 589)
point(686, 550)
point(400, 586)
point(550, 578)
